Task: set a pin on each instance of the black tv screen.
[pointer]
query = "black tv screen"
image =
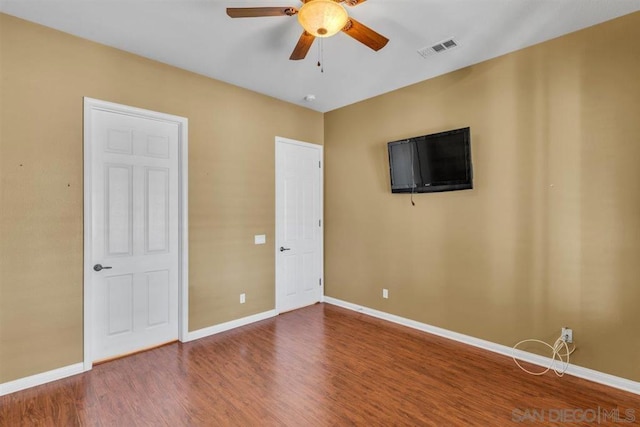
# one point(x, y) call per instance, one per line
point(431, 163)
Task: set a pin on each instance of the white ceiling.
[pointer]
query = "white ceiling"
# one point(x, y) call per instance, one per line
point(253, 53)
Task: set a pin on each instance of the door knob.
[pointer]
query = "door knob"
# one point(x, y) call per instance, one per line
point(99, 267)
point(282, 249)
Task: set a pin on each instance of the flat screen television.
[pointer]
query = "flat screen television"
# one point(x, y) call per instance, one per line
point(431, 163)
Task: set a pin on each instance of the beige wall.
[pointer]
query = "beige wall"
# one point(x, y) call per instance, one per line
point(45, 75)
point(549, 236)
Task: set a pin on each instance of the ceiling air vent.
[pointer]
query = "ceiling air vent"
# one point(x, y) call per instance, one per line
point(439, 47)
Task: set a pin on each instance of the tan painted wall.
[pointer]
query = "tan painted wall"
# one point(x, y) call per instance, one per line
point(44, 76)
point(549, 236)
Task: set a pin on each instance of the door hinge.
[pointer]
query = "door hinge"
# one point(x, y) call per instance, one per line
point(320, 282)
point(319, 163)
point(319, 223)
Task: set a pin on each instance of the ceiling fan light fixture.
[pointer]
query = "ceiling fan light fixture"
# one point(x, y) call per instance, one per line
point(322, 18)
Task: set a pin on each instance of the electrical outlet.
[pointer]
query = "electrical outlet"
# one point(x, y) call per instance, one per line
point(242, 298)
point(567, 335)
point(385, 293)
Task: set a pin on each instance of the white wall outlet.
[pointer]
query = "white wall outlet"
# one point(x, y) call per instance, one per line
point(259, 239)
point(385, 293)
point(567, 335)
point(243, 298)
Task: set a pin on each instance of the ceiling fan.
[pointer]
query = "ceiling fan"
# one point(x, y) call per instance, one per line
point(318, 18)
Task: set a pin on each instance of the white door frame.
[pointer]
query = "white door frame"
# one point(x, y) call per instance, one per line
point(183, 232)
point(280, 140)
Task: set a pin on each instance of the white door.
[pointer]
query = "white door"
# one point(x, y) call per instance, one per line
point(134, 233)
point(298, 224)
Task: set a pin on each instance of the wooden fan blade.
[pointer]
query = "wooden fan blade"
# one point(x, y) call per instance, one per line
point(256, 12)
point(303, 46)
point(365, 35)
point(353, 2)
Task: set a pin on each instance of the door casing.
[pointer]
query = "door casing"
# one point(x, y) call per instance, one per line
point(90, 105)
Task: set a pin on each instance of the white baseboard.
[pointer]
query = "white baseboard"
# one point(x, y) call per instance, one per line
point(216, 329)
point(576, 371)
point(42, 378)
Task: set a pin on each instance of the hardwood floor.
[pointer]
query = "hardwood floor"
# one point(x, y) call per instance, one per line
point(317, 366)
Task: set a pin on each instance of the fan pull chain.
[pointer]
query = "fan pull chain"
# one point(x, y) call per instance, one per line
point(321, 55)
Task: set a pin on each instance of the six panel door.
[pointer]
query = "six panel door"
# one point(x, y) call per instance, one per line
point(135, 233)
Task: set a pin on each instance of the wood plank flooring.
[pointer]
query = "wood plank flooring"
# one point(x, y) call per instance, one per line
point(318, 366)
